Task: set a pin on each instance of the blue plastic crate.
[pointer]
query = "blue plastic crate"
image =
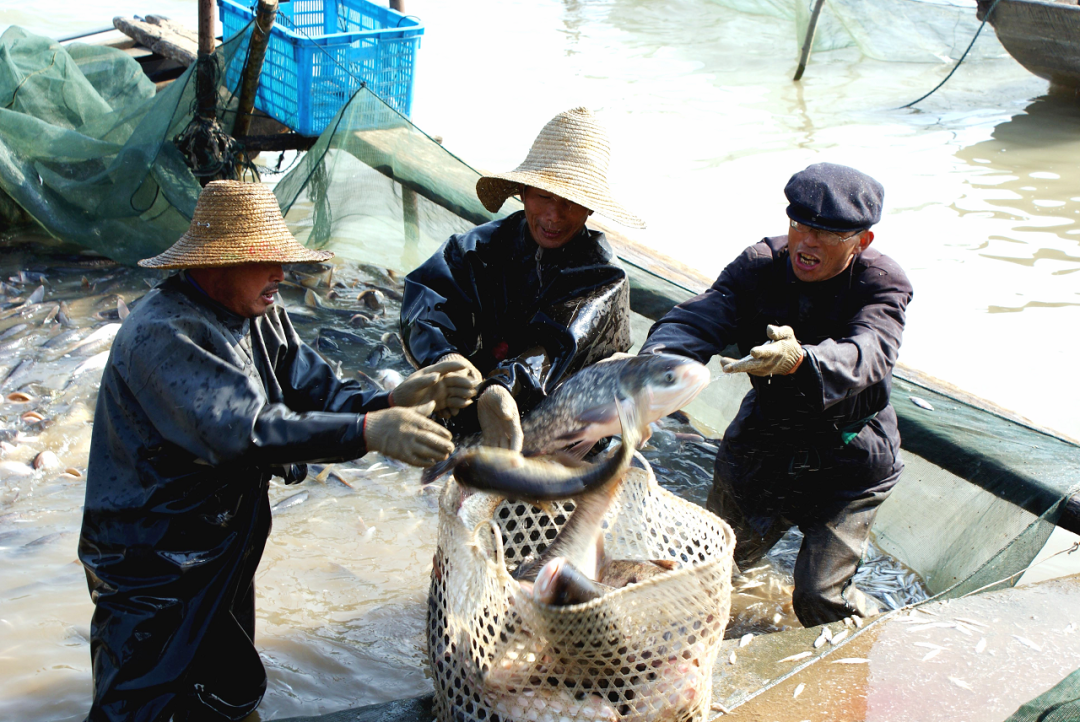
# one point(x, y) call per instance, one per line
point(320, 51)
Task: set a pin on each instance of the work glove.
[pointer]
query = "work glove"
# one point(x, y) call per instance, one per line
point(467, 366)
point(780, 356)
point(469, 371)
point(500, 423)
point(406, 434)
point(447, 383)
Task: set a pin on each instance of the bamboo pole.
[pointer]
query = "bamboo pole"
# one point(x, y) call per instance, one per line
point(205, 90)
point(260, 36)
point(808, 42)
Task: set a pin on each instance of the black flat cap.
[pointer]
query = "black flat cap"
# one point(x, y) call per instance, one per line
point(834, 198)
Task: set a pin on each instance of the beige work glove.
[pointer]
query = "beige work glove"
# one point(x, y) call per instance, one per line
point(469, 371)
point(406, 434)
point(779, 357)
point(467, 366)
point(447, 383)
point(500, 423)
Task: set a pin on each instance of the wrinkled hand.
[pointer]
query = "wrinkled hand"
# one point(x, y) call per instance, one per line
point(447, 383)
point(500, 422)
point(780, 357)
point(406, 434)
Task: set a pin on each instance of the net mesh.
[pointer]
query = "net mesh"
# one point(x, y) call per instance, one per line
point(642, 652)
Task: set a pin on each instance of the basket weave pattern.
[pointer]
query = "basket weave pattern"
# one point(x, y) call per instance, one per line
point(643, 652)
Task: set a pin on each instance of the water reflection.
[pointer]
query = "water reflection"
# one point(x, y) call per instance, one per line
point(1027, 170)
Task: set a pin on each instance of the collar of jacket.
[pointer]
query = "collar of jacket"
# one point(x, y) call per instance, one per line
point(588, 246)
point(194, 293)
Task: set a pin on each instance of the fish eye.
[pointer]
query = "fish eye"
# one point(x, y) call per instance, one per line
point(669, 377)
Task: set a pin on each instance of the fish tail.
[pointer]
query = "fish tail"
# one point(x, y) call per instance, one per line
point(436, 471)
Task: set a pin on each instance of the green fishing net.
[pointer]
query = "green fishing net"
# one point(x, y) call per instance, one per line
point(1060, 704)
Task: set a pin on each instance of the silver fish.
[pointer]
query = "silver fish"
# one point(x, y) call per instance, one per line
point(582, 410)
point(290, 501)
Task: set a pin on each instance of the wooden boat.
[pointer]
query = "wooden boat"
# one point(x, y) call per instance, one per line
point(1042, 36)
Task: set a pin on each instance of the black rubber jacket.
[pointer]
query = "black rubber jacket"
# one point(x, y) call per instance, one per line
point(526, 317)
point(833, 413)
point(197, 409)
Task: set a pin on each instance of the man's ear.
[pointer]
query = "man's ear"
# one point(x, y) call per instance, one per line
point(866, 240)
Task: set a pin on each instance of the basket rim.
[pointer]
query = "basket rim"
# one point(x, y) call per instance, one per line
point(413, 29)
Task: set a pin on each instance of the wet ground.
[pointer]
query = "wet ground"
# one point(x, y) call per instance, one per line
point(343, 581)
point(978, 657)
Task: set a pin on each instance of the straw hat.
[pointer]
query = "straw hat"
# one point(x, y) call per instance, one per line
point(235, 223)
point(570, 159)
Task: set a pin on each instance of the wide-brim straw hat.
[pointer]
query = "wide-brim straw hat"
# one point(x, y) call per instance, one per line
point(569, 158)
point(235, 223)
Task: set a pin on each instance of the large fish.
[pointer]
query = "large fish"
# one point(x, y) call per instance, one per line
point(514, 475)
point(582, 410)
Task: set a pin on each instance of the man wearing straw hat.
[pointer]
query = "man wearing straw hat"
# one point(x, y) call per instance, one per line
point(533, 297)
point(818, 315)
point(208, 392)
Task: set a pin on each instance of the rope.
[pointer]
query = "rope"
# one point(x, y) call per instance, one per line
point(955, 67)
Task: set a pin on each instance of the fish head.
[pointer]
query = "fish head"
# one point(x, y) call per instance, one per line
point(663, 383)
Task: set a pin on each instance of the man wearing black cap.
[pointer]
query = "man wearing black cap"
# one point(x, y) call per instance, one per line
point(817, 317)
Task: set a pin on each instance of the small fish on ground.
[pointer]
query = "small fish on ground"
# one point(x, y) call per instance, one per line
point(1027, 642)
point(980, 646)
point(745, 640)
point(921, 403)
point(931, 654)
point(838, 637)
point(961, 684)
point(290, 501)
point(798, 690)
point(731, 658)
point(851, 660)
point(795, 657)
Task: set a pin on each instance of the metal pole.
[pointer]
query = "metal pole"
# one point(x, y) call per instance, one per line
point(260, 36)
point(808, 42)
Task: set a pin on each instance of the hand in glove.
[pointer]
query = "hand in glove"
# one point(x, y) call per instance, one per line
point(500, 422)
point(447, 383)
point(782, 355)
point(406, 434)
point(468, 371)
point(467, 366)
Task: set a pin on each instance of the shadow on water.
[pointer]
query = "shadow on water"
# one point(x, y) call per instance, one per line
point(1030, 161)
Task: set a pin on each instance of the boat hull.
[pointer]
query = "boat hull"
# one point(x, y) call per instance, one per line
point(1041, 36)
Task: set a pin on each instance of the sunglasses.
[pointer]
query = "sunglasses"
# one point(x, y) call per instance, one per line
point(827, 237)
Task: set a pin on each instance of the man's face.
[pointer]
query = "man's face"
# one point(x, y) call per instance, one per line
point(247, 290)
point(552, 219)
point(818, 255)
